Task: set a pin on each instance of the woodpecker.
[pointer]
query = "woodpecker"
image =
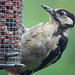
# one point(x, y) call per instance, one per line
point(43, 44)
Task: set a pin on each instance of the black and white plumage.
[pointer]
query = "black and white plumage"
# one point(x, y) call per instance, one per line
point(43, 44)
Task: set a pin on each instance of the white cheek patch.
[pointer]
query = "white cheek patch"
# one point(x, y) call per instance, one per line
point(64, 19)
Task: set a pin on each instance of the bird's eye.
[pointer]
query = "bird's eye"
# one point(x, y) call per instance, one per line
point(61, 13)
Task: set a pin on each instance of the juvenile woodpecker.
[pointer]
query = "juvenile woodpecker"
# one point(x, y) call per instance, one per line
point(43, 44)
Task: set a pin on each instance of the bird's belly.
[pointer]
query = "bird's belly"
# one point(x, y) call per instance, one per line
point(36, 53)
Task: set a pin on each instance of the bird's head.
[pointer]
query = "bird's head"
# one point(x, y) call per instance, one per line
point(64, 17)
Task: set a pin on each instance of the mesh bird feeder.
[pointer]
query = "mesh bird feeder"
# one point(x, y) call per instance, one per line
point(11, 13)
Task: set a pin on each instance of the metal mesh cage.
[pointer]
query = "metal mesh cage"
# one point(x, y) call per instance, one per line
point(11, 13)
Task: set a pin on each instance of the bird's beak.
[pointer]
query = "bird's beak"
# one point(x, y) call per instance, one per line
point(48, 9)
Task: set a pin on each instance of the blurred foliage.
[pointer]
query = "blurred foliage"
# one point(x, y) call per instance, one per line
point(33, 14)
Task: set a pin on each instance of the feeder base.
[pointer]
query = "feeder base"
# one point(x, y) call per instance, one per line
point(11, 65)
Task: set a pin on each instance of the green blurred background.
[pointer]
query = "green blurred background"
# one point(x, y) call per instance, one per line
point(33, 14)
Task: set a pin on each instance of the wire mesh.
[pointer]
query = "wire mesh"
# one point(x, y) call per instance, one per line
point(11, 13)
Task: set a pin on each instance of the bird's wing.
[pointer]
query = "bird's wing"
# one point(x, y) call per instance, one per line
point(24, 29)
